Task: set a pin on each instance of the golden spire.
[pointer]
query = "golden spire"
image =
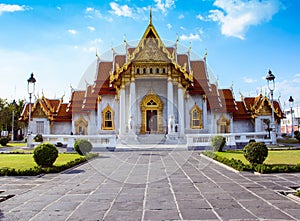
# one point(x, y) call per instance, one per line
point(150, 16)
point(205, 55)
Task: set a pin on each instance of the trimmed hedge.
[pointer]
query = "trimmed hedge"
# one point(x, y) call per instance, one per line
point(218, 142)
point(45, 154)
point(38, 138)
point(82, 146)
point(37, 170)
point(255, 152)
point(4, 141)
point(260, 168)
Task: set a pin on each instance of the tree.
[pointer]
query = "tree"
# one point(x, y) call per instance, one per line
point(6, 111)
point(267, 123)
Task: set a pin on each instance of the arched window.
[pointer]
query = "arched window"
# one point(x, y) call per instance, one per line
point(150, 70)
point(164, 70)
point(196, 117)
point(144, 71)
point(137, 70)
point(81, 126)
point(157, 70)
point(108, 119)
point(223, 124)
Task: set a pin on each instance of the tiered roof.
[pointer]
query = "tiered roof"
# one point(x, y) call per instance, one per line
point(54, 109)
point(193, 72)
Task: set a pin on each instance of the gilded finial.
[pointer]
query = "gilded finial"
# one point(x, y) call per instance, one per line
point(125, 41)
point(205, 55)
point(150, 16)
point(190, 48)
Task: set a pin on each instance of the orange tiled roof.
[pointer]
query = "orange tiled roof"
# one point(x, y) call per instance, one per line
point(227, 100)
point(54, 109)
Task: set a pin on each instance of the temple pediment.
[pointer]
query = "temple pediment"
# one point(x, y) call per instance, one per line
point(151, 52)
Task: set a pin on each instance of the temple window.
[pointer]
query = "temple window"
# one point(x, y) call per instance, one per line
point(40, 127)
point(150, 70)
point(157, 70)
point(144, 71)
point(108, 118)
point(164, 70)
point(196, 117)
point(223, 125)
point(81, 126)
point(137, 70)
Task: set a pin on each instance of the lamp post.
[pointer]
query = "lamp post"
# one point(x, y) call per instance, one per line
point(291, 101)
point(30, 89)
point(271, 85)
point(13, 119)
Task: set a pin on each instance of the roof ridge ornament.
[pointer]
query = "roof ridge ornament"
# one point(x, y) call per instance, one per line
point(150, 22)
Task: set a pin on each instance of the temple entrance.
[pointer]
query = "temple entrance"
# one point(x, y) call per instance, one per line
point(151, 108)
point(151, 121)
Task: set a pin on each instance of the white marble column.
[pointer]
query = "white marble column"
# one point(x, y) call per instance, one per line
point(180, 109)
point(99, 114)
point(132, 111)
point(122, 124)
point(170, 103)
point(204, 111)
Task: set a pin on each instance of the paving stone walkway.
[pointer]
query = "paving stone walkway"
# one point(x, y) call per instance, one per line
point(150, 185)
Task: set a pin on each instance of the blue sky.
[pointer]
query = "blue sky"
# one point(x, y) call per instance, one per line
point(58, 40)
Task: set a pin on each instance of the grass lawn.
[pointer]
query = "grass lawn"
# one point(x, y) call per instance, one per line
point(289, 157)
point(26, 161)
point(15, 144)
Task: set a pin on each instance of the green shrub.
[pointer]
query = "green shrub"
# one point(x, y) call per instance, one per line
point(45, 154)
point(298, 193)
point(297, 135)
point(82, 146)
point(218, 142)
point(3, 141)
point(38, 138)
point(255, 152)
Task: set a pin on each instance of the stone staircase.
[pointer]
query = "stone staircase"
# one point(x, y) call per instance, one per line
point(151, 139)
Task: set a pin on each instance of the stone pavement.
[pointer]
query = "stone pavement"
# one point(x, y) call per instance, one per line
point(150, 185)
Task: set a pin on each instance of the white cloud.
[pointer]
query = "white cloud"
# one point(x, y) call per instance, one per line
point(200, 17)
point(191, 37)
point(92, 12)
point(169, 26)
point(236, 16)
point(58, 8)
point(164, 5)
point(91, 28)
point(181, 16)
point(12, 8)
point(182, 28)
point(248, 80)
point(121, 10)
point(73, 32)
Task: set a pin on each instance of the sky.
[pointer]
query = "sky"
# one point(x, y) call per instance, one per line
point(58, 40)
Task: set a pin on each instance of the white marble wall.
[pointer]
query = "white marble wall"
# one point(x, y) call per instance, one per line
point(62, 128)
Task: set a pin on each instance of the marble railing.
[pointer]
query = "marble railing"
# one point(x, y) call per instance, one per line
point(232, 139)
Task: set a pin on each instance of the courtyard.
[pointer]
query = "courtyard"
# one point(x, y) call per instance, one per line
point(150, 185)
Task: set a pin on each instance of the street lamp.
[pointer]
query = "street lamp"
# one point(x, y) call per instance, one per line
point(14, 104)
point(291, 101)
point(30, 89)
point(271, 85)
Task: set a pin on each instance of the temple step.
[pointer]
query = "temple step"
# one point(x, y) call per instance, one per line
point(152, 139)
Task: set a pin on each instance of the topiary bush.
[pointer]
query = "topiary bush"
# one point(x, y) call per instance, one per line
point(255, 152)
point(38, 138)
point(297, 135)
point(45, 154)
point(82, 146)
point(3, 141)
point(218, 142)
